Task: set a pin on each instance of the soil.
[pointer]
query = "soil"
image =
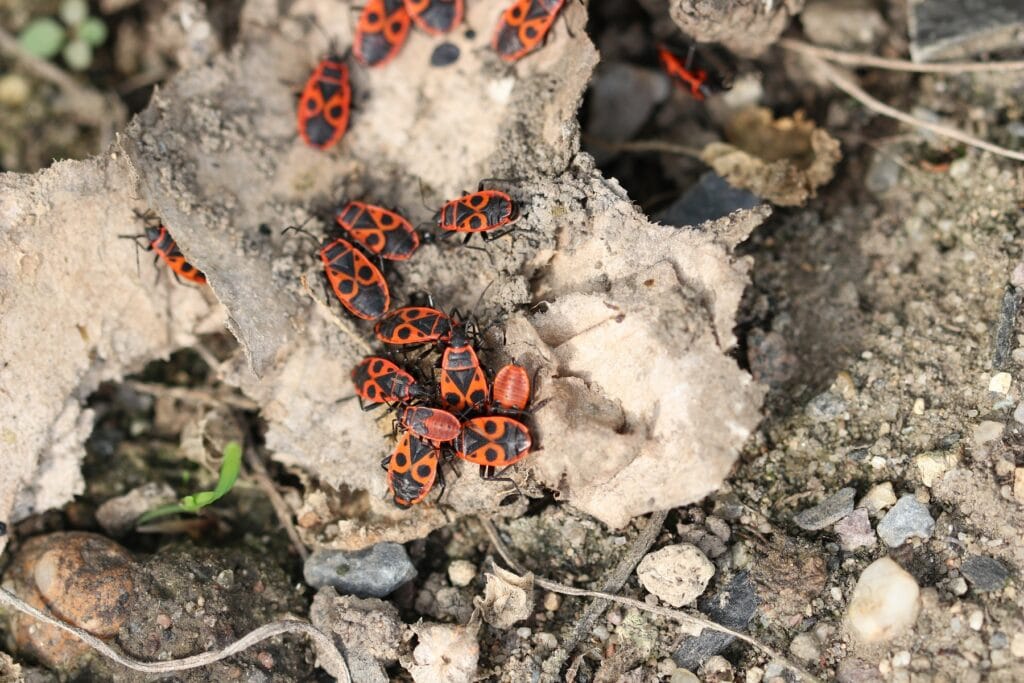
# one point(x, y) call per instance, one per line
point(876, 322)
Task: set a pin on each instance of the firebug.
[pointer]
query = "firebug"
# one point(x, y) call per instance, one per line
point(378, 380)
point(325, 103)
point(511, 389)
point(493, 442)
point(683, 73)
point(412, 469)
point(159, 241)
point(436, 16)
point(411, 325)
point(463, 386)
point(380, 231)
point(523, 26)
point(381, 31)
point(435, 425)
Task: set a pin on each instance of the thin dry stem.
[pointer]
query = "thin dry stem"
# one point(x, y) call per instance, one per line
point(847, 85)
point(284, 513)
point(693, 621)
point(329, 657)
point(193, 395)
point(863, 59)
point(645, 146)
point(106, 112)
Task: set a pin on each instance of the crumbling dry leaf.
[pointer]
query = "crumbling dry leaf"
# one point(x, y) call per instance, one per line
point(444, 654)
point(507, 598)
point(782, 160)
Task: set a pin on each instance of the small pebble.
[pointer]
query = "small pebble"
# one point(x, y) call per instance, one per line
point(677, 574)
point(718, 527)
point(885, 602)
point(1018, 413)
point(461, 572)
point(828, 511)
point(163, 621)
point(600, 632)
point(908, 519)
point(755, 674)
point(1000, 383)
point(855, 531)
point(976, 620)
point(14, 90)
point(1017, 645)
point(548, 641)
point(552, 601)
point(901, 660)
point(958, 586)
point(1018, 484)
point(986, 431)
point(985, 573)
point(931, 467)
point(805, 646)
point(825, 407)
point(683, 676)
point(524, 632)
point(918, 406)
point(372, 572)
point(879, 498)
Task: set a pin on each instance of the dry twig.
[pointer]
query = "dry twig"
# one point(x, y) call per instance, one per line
point(863, 59)
point(693, 621)
point(329, 657)
point(193, 395)
point(847, 85)
point(616, 579)
point(284, 513)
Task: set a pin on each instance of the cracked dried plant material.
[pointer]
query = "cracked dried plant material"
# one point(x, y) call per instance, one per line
point(445, 653)
point(783, 160)
point(507, 598)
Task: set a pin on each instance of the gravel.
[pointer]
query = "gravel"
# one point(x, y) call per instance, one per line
point(984, 573)
point(909, 518)
point(828, 511)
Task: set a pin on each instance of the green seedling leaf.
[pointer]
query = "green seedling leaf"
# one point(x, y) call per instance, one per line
point(229, 469)
point(93, 31)
point(73, 12)
point(43, 37)
point(78, 54)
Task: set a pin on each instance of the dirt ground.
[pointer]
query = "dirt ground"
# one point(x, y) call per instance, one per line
point(880, 328)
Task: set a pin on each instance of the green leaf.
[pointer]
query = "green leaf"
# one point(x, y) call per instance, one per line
point(73, 12)
point(43, 37)
point(93, 31)
point(78, 54)
point(230, 466)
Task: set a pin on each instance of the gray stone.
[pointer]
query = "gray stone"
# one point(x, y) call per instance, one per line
point(985, 573)
point(855, 531)
point(623, 97)
point(1004, 336)
point(372, 572)
point(907, 519)
point(952, 29)
point(828, 511)
point(709, 199)
point(825, 407)
point(733, 606)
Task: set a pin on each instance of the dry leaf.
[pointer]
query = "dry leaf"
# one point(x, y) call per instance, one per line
point(507, 598)
point(445, 654)
point(782, 160)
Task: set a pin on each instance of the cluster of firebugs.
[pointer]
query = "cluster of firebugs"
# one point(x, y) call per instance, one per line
point(474, 420)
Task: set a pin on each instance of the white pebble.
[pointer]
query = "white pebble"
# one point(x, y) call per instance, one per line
point(1017, 645)
point(918, 406)
point(461, 572)
point(677, 574)
point(1000, 383)
point(885, 602)
point(524, 632)
point(878, 498)
point(976, 620)
point(901, 660)
point(805, 646)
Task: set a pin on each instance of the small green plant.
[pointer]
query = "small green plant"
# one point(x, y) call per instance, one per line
point(229, 468)
point(74, 39)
